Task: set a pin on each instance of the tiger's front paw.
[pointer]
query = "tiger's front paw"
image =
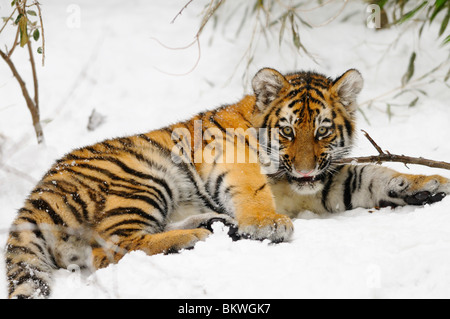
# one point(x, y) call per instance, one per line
point(275, 227)
point(418, 189)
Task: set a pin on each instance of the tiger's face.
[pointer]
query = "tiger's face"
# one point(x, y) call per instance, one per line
point(314, 118)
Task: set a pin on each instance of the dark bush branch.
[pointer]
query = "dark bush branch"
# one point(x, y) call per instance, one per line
point(30, 103)
point(388, 157)
point(25, 29)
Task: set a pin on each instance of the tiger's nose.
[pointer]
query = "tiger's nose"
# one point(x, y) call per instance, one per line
point(304, 173)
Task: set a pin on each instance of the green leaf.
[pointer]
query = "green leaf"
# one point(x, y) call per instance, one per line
point(438, 6)
point(444, 23)
point(446, 40)
point(389, 111)
point(32, 13)
point(18, 18)
point(381, 3)
point(295, 35)
point(36, 35)
point(39, 50)
point(411, 13)
point(447, 76)
point(13, 3)
point(413, 102)
point(410, 71)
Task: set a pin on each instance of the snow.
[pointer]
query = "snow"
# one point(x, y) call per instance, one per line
point(102, 55)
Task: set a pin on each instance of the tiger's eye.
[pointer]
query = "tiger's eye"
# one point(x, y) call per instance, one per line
point(287, 131)
point(322, 130)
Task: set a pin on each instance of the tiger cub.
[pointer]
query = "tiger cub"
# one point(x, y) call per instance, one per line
point(249, 164)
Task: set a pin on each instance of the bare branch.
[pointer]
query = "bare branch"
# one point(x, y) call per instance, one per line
point(30, 104)
point(16, 39)
point(380, 151)
point(7, 20)
point(388, 157)
point(35, 80)
point(42, 31)
point(33, 105)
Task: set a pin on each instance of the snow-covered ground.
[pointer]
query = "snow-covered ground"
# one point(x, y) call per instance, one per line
point(102, 55)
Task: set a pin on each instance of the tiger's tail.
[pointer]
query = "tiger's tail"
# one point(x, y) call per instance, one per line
point(28, 263)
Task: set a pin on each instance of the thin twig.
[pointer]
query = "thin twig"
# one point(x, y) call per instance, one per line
point(378, 159)
point(388, 157)
point(42, 30)
point(209, 13)
point(330, 19)
point(197, 40)
point(380, 151)
point(7, 20)
point(16, 39)
point(35, 80)
point(181, 11)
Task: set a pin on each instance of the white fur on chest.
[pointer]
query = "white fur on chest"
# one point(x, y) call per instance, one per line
point(290, 203)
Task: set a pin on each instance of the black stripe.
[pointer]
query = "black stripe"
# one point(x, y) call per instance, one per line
point(92, 150)
point(77, 199)
point(158, 195)
point(128, 222)
point(360, 176)
point(293, 103)
point(348, 191)
point(317, 101)
point(42, 205)
point(189, 170)
point(126, 169)
point(20, 250)
point(218, 184)
point(348, 127)
point(63, 196)
point(260, 188)
point(146, 199)
point(341, 135)
point(43, 286)
point(326, 191)
point(244, 118)
point(125, 141)
point(36, 230)
point(355, 179)
point(134, 172)
point(322, 84)
point(267, 118)
point(125, 232)
point(154, 143)
point(132, 211)
point(317, 91)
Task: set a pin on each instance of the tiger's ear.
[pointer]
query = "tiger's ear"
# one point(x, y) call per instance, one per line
point(266, 84)
point(348, 86)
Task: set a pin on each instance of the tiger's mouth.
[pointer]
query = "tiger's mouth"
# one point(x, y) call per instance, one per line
point(306, 179)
